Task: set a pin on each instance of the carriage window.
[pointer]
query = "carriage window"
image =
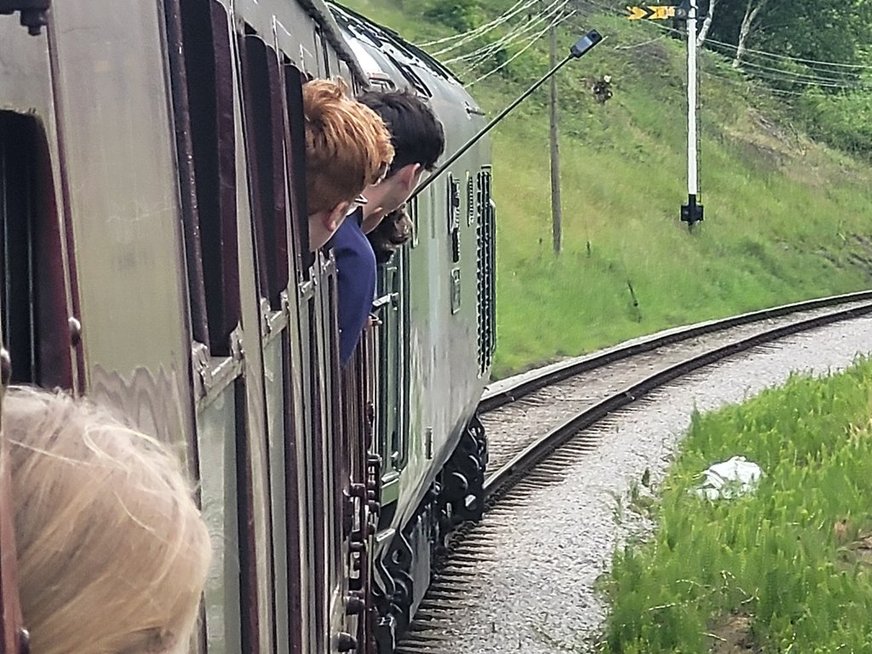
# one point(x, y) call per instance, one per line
point(453, 203)
point(264, 133)
point(33, 292)
point(296, 162)
point(203, 85)
point(323, 54)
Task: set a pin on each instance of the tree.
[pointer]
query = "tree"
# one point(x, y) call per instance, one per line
point(706, 24)
point(752, 11)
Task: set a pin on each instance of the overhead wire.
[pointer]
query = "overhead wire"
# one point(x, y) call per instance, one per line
point(485, 26)
point(820, 73)
point(474, 34)
point(512, 35)
point(533, 40)
point(763, 53)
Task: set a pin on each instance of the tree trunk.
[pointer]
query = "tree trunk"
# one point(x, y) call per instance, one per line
point(706, 24)
point(747, 23)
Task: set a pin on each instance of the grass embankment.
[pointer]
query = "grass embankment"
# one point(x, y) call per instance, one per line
point(786, 218)
point(785, 569)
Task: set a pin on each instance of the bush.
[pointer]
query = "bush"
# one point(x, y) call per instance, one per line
point(843, 120)
point(460, 15)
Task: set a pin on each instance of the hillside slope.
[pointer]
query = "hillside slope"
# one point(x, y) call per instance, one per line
point(786, 218)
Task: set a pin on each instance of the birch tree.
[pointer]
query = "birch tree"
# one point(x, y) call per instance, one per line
point(706, 24)
point(752, 10)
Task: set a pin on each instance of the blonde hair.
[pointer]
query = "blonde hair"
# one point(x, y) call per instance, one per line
point(112, 551)
point(348, 146)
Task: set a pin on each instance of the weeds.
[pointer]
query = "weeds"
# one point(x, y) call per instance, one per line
point(788, 568)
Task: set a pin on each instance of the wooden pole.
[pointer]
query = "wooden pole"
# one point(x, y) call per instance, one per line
point(556, 208)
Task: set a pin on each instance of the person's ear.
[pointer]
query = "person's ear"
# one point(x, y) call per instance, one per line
point(410, 175)
point(333, 219)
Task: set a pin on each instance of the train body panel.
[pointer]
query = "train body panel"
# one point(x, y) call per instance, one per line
point(151, 161)
point(434, 365)
point(445, 381)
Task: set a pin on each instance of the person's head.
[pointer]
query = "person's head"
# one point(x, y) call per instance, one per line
point(393, 231)
point(112, 551)
point(418, 142)
point(348, 148)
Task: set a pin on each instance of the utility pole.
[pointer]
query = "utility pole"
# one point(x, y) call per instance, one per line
point(692, 212)
point(556, 207)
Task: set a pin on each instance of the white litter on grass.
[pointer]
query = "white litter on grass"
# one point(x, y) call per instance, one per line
point(729, 479)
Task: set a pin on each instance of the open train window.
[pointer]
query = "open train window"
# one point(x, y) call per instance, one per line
point(264, 133)
point(33, 291)
point(202, 73)
point(296, 162)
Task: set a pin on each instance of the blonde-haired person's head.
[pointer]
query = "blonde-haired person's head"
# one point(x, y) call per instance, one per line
point(348, 148)
point(112, 550)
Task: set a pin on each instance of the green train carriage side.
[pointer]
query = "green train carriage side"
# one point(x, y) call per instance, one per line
point(437, 340)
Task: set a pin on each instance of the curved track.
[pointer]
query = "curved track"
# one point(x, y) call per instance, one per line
point(539, 421)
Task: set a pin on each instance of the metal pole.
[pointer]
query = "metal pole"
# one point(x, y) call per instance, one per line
point(692, 212)
point(692, 183)
point(556, 207)
point(441, 169)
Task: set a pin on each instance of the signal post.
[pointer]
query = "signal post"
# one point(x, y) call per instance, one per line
point(692, 212)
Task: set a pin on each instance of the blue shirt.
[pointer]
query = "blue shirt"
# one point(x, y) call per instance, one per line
point(355, 262)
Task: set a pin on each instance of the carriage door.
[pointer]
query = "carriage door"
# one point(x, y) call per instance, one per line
point(393, 345)
point(38, 322)
point(324, 457)
point(202, 79)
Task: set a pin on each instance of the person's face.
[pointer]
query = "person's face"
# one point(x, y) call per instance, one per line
point(403, 183)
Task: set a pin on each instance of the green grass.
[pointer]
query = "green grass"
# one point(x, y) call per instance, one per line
point(786, 218)
point(787, 568)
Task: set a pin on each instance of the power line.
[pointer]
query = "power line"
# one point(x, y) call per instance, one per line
point(533, 40)
point(763, 53)
point(511, 36)
point(478, 33)
point(481, 29)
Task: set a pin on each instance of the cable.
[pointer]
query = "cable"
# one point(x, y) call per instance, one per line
point(474, 34)
point(643, 43)
point(734, 48)
point(499, 20)
point(512, 35)
point(486, 53)
point(524, 49)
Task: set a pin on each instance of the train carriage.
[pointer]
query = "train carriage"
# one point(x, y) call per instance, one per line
point(155, 257)
point(437, 340)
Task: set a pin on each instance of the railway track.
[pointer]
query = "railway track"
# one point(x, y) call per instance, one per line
point(539, 423)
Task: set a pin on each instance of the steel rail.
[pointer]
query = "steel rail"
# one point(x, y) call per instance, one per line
point(443, 595)
point(500, 480)
point(553, 375)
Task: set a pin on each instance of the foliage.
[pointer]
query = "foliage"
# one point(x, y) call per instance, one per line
point(786, 219)
point(460, 15)
point(824, 30)
point(842, 120)
point(793, 560)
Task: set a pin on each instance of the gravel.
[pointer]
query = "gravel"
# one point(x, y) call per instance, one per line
point(535, 594)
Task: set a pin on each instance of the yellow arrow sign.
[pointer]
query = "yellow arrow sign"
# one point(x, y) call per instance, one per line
point(655, 12)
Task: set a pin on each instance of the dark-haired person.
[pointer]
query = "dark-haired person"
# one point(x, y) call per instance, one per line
point(418, 142)
point(391, 234)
